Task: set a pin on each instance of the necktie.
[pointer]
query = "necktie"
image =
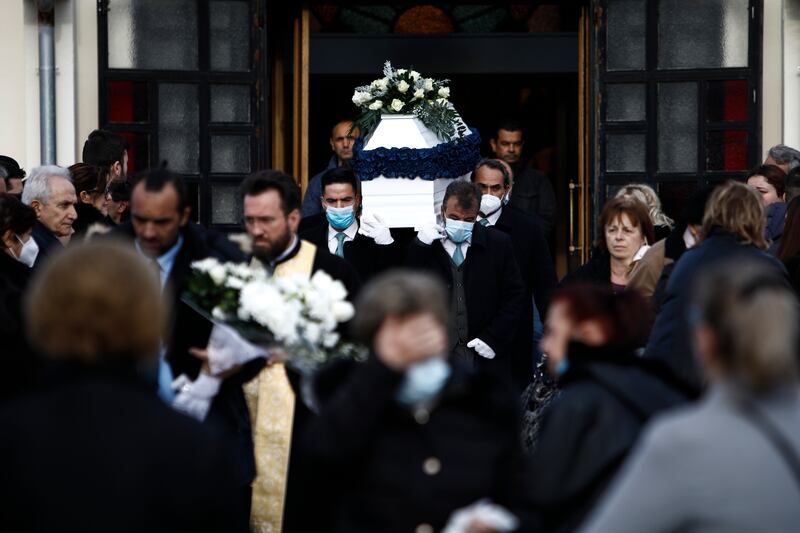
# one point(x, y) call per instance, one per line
point(340, 244)
point(458, 255)
point(484, 222)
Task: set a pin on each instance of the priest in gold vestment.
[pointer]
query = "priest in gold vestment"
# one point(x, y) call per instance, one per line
point(271, 217)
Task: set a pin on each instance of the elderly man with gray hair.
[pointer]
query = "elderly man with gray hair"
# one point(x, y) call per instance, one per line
point(49, 191)
point(783, 156)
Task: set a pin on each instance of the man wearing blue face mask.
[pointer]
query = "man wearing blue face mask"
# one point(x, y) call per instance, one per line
point(366, 243)
point(487, 295)
point(392, 429)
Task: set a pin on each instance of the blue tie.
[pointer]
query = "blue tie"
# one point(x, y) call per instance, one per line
point(458, 255)
point(484, 222)
point(165, 379)
point(340, 244)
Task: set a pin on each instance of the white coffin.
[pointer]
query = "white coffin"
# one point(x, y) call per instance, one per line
point(409, 201)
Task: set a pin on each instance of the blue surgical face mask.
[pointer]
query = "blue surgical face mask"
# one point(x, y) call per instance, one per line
point(458, 231)
point(340, 217)
point(423, 381)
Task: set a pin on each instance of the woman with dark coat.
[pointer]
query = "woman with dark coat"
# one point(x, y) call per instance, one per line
point(789, 249)
point(16, 258)
point(607, 395)
point(410, 435)
point(90, 186)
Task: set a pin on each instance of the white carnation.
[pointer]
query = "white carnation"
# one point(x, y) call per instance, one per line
point(414, 75)
point(428, 85)
point(403, 86)
point(343, 311)
point(205, 265)
point(397, 105)
point(218, 274)
point(444, 92)
point(330, 340)
point(377, 104)
point(312, 333)
point(232, 282)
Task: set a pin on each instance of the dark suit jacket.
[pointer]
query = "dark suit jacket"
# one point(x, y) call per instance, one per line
point(95, 450)
point(494, 291)
point(533, 194)
point(368, 258)
point(47, 241)
point(376, 449)
point(538, 275)
point(16, 358)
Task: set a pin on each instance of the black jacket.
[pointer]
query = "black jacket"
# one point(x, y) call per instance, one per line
point(494, 290)
point(596, 270)
point(16, 358)
point(533, 194)
point(397, 468)
point(670, 337)
point(87, 216)
point(95, 450)
point(606, 398)
point(47, 241)
point(368, 258)
point(539, 277)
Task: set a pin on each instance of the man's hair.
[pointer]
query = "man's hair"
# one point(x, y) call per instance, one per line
point(89, 178)
point(114, 301)
point(792, 184)
point(120, 190)
point(401, 293)
point(343, 120)
point(636, 212)
point(104, 148)
point(785, 155)
point(15, 216)
point(645, 194)
point(737, 209)
point(493, 164)
point(156, 179)
point(754, 316)
point(37, 186)
point(273, 180)
point(10, 169)
point(509, 124)
point(466, 193)
point(775, 176)
point(340, 175)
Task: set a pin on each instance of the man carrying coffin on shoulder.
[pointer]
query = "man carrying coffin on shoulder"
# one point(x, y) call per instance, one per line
point(365, 242)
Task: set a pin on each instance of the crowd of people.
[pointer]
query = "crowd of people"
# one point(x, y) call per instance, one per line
point(660, 393)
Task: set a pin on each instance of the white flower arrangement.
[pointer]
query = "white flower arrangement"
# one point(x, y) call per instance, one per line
point(406, 91)
point(299, 314)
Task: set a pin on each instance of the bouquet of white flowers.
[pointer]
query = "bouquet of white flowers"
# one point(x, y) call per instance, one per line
point(406, 91)
point(295, 313)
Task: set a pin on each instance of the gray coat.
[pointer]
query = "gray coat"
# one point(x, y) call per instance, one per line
point(708, 469)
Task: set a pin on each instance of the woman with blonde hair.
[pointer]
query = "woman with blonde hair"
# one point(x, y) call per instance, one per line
point(662, 224)
point(733, 227)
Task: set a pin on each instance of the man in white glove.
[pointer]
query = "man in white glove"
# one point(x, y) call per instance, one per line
point(367, 243)
point(477, 265)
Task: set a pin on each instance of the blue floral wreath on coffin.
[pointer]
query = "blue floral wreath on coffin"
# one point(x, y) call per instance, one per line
point(447, 160)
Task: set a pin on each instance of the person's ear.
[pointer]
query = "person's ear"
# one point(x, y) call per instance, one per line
point(187, 212)
point(85, 197)
point(9, 239)
point(37, 206)
point(116, 169)
point(493, 144)
point(293, 219)
point(333, 145)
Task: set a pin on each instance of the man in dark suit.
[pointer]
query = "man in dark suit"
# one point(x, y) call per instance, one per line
point(161, 231)
point(367, 244)
point(49, 191)
point(530, 250)
point(477, 264)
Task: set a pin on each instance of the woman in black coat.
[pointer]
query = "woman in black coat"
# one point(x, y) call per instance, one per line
point(409, 436)
point(16, 258)
point(90, 187)
point(607, 395)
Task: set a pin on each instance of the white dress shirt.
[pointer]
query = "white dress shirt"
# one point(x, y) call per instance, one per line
point(450, 246)
point(493, 218)
point(349, 232)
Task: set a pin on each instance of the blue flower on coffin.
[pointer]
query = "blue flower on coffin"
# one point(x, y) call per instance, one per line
point(447, 160)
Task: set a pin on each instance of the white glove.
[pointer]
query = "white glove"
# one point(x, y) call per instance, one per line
point(194, 397)
point(486, 513)
point(482, 348)
point(375, 228)
point(227, 349)
point(429, 233)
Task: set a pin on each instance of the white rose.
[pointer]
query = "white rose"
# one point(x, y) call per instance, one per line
point(218, 274)
point(234, 283)
point(218, 313)
point(400, 71)
point(343, 311)
point(377, 104)
point(442, 101)
point(444, 92)
point(380, 84)
point(428, 86)
point(361, 97)
point(205, 265)
point(312, 333)
point(403, 86)
point(414, 75)
point(419, 93)
point(397, 105)
point(330, 340)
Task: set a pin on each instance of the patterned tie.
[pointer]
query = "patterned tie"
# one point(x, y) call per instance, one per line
point(484, 222)
point(340, 244)
point(458, 255)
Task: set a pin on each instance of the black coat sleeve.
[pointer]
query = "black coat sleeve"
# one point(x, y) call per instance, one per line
point(499, 331)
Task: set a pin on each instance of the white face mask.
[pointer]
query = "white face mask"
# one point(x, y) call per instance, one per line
point(490, 204)
point(30, 250)
point(507, 197)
